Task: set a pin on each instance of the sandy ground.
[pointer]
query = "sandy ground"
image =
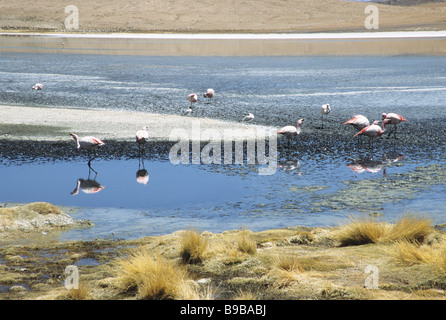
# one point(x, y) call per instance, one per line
point(51, 124)
point(219, 16)
point(226, 16)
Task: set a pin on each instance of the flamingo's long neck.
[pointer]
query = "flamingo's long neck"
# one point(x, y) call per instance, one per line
point(76, 138)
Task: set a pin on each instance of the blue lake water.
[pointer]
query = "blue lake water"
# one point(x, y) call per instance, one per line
point(315, 188)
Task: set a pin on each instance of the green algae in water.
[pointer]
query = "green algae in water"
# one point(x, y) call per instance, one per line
point(305, 189)
point(374, 194)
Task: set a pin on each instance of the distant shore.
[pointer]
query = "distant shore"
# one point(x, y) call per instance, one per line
point(228, 44)
point(241, 36)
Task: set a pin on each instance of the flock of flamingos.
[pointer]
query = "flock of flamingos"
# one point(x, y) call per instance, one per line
point(359, 122)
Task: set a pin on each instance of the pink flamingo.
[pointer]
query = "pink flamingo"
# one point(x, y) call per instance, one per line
point(325, 110)
point(358, 121)
point(141, 137)
point(291, 131)
point(392, 118)
point(209, 94)
point(88, 143)
point(248, 118)
point(37, 87)
point(371, 131)
point(192, 98)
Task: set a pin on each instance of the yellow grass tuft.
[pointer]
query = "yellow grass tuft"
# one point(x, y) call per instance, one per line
point(409, 253)
point(289, 263)
point(42, 208)
point(287, 269)
point(153, 277)
point(82, 293)
point(245, 295)
point(361, 230)
point(366, 229)
point(245, 244)
point(193, 247)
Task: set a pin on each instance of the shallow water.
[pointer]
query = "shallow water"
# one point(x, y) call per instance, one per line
point(216, 198)
point(291, 86)
point(323, 178)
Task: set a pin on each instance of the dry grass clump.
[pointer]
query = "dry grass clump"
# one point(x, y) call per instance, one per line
point(245, 295)
point(413, 229)
point(287, 268)
point(193, 247)
point(153, 277)
point(289, 263)
point(303, 237)
point(82, 293)
point(409, 253)
point(365, 230)
point(42, 208)
point(361, 230)
point(245, 243)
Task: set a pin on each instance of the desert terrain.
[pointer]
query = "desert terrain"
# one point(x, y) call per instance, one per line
point(221, 16)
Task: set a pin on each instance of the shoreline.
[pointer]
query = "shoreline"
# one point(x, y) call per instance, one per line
point(229, 44)
point(237, 35)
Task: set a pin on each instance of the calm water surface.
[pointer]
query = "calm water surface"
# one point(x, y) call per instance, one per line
point(317, 188)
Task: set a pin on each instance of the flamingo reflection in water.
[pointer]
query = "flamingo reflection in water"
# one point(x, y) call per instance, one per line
point(290, 165)
point(368, 164)
point(88, 186)
point(142, 176)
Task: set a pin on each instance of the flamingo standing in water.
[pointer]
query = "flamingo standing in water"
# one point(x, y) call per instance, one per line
point(371, 131)
point(141, 137)
point(358, 121)
point(192, 98)
point(392, 118)
point(37, 87)
point(248, 118)
point(325, 110)
point(291, 131)
point(209, 94)
point(187, 112)
point(88, 143)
